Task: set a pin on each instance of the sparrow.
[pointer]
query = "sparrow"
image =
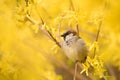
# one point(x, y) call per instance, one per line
point(74, 46)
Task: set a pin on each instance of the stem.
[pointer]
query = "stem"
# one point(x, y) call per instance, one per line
point(26, 3)
point(76, 65)
point(71, 5)
point(53, 38)
point(98, 32)
point(46, 32)
point(77, 29)
point(30, 20)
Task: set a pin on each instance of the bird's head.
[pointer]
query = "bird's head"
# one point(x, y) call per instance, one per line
point(69, 34)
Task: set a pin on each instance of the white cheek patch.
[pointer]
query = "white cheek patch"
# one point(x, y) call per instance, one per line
point(69, 36)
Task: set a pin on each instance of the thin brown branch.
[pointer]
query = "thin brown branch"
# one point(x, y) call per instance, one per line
point(71, 5)
point(76, 66)
point(98, 32)
point(100, 23)
point(46, 32)
point(54, 39)
point(30, 20)
point(41, 20)
point(26, 3)
point(50, 36)
point(106, 5)
point(77, 29)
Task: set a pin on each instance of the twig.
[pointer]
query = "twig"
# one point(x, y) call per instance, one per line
point(53, 38)
point(106, 5)
point(26, 3)
point(30, 20)
point(77, 29)
point(98, 32)
point(46, 32)
point(71, 5)
point(76, 64)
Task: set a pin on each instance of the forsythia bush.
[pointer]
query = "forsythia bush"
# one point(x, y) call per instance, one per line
point(27, 52)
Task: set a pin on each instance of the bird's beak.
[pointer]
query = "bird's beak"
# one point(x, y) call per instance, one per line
point(62, 35)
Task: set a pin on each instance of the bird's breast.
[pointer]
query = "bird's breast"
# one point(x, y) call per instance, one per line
point(75, 50)
point(70, 50)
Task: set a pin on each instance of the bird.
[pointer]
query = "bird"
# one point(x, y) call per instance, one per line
point(74, 46)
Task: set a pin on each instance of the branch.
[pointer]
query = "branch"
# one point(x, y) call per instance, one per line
point(30, 20)
point(98, 32)
point(77, 29)
point(100, 23)
point(71, 5)
point(76, 67)
point(50, 36)
point(26, 1)
point(46, 32)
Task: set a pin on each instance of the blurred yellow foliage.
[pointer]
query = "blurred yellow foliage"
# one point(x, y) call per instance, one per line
point(26, 53)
